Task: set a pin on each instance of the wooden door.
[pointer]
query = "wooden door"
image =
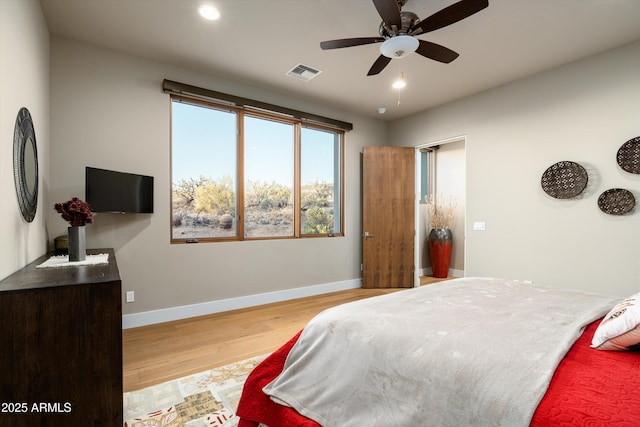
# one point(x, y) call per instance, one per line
point(388, 217)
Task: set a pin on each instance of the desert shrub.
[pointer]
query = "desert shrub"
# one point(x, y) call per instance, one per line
point(216, 197)
point(184, 192)
point(318, 221)
point(267, 196)
point(317, 194)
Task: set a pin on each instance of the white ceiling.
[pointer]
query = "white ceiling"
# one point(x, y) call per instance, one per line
point(257, 41)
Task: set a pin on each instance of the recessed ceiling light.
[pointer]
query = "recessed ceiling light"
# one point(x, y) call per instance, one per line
point(399, 84)
point(209, 12)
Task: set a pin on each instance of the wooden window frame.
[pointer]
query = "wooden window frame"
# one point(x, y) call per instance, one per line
point(298, 124)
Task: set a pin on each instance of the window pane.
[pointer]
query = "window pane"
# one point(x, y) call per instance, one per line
point(268, 169)
point(424, 175)
point(203, 164)
point(320, 181)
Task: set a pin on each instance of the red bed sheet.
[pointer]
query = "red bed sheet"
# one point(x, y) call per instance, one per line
point(589, 388)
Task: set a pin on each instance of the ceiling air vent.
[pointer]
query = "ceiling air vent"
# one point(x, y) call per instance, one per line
point(303, 72)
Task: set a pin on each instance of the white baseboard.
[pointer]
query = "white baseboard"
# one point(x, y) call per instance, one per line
point(202, 309)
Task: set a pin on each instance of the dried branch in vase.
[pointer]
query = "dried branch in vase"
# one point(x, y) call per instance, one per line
point(441, 211)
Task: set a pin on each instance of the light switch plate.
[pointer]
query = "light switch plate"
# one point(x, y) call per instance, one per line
point(479, 226)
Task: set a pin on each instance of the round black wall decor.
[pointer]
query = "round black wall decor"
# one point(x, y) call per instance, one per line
point(616, 201)
point(564, 180)
point(629, 156)
point(25, 164)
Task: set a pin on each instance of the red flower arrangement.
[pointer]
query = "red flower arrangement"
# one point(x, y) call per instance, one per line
point(75, 211)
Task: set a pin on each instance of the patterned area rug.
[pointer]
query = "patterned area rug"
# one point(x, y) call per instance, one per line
point(206, 399)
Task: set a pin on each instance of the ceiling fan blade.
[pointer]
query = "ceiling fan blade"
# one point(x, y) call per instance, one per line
point(389, 11)
point(450, 15)
point(336, 44)
point(379, 65)
point(436, 52)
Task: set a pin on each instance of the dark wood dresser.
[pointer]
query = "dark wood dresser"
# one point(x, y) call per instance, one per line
point(61, 345)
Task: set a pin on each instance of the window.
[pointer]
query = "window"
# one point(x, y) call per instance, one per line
point(268, 177)
point(427, 173)
point(240, 175)
point(319, 174)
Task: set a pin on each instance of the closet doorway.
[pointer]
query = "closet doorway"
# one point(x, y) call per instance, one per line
point(444, 163)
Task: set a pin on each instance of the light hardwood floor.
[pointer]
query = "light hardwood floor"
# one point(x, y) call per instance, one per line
point(157, 353)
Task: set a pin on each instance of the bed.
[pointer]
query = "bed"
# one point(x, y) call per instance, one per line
point(471, 351)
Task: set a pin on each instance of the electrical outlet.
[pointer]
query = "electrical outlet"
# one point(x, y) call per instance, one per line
point(479, 226)
point(130, 297)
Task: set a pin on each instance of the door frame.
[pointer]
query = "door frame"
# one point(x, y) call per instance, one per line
point(417, 238)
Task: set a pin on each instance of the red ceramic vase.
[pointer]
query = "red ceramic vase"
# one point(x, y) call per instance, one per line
point(440, 243)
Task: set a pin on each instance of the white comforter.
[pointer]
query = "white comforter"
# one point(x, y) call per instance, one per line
point(467, 352)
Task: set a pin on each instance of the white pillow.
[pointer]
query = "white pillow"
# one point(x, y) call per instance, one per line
point(620, 328)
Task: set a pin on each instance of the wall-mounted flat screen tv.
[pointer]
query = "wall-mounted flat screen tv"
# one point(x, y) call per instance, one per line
point(118, 192)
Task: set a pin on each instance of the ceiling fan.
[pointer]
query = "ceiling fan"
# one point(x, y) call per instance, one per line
point(398, 30)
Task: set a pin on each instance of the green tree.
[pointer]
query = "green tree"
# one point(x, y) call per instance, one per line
point(267, 196)
point(318, 221)
point(317, 194)
point(184, 192)
point(216, 197)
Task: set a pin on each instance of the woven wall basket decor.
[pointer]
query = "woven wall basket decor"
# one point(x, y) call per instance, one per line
point(629, 155)
point(564, 180)
point(616, 201)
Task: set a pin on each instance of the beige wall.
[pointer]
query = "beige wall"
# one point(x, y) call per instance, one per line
point(24, 82)
point(582, 112)
point(108, 111)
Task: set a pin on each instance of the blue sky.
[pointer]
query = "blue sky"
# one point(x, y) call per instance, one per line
point(204, 144)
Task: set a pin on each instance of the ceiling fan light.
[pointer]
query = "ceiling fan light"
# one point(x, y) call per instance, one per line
point(399, 46)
